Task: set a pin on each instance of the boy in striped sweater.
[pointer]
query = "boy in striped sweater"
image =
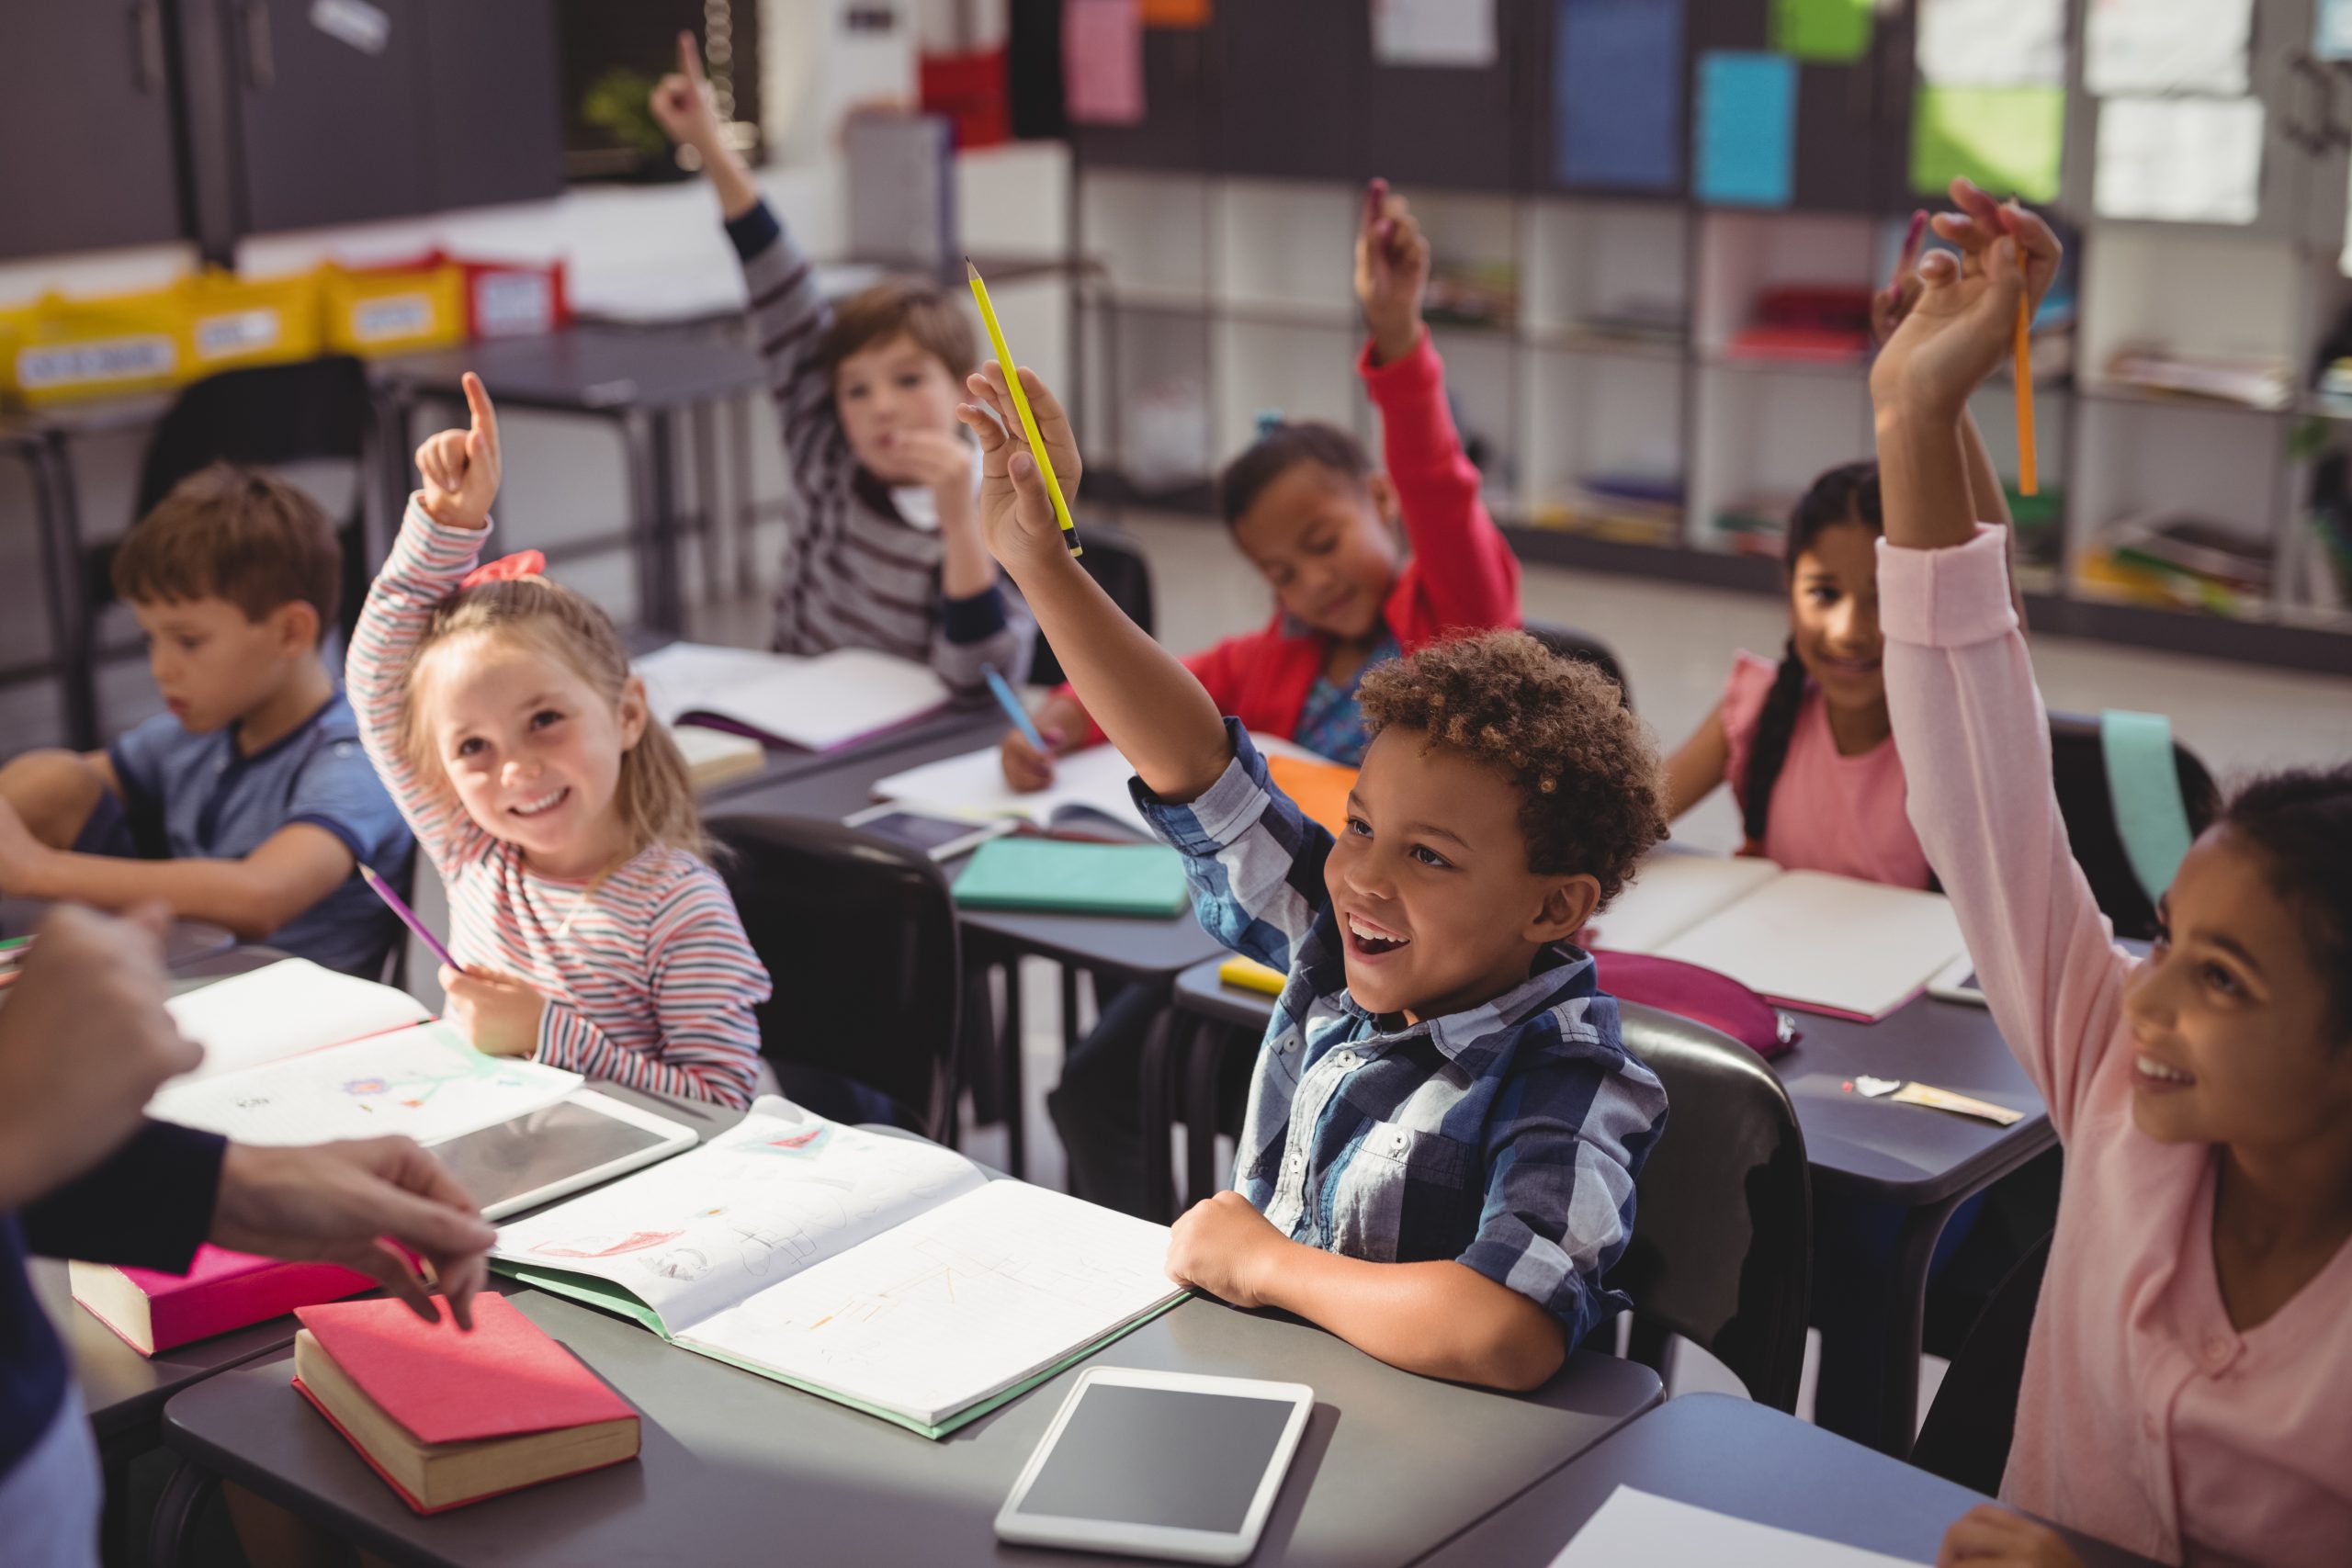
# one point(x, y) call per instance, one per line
point(887, 552)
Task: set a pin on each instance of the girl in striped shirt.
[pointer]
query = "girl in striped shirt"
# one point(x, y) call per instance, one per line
point(500, 710)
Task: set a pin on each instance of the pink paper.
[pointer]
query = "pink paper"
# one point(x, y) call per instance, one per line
point(1103, 61)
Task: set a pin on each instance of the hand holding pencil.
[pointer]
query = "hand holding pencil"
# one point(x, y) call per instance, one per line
point(1964, 321)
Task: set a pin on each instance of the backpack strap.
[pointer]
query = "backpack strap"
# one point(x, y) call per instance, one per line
point(2143, 788)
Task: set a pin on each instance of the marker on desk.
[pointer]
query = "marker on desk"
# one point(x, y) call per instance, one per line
point(1021, 407)
point(1014, 710)
point(393, 902)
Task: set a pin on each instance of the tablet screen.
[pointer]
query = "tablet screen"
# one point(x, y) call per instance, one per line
point(926, 834)
point(537, 1150)
point(1159, 1456)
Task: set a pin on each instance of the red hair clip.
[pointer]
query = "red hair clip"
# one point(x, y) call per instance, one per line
point(507, 568)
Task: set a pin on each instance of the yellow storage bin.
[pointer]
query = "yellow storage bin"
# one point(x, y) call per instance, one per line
point(394, 309)
point(234, 322)
point(83, 348)
point(14, 320)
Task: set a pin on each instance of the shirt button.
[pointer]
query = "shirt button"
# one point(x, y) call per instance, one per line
point(1397, 1141)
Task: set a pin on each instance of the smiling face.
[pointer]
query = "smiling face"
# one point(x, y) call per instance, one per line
point(1832, 616)
point(886, 391)
point(1323, 541)
point(2231, 1016)
point(211, 664)
point(1436, 906)
point(531, 748)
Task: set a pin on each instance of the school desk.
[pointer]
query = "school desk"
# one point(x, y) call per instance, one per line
point(737, 1469)
point(1926, 1163)
point(639, 382)
point(1748, 1460)
point(186, 942)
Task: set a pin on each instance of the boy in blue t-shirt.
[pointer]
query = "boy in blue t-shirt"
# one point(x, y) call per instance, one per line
point(249, 802)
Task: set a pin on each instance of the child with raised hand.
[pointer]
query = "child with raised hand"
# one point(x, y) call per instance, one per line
point(1320, 521)
point(886, 550)
point(1443, 1130)
point(2188, 1389)
point(500, 709)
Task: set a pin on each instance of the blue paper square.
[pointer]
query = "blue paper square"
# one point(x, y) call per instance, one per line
point(1747, 129)
point(1617, 77)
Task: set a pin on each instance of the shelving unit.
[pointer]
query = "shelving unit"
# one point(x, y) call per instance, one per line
point(1226, 261)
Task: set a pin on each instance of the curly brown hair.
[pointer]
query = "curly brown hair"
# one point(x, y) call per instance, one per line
point(1558, 728)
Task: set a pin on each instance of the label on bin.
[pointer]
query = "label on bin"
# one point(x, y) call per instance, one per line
point(513, 304)
point(138, 359)
point(236, 331)
point(393, 316)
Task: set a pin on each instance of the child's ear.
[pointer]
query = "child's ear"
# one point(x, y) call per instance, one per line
point(1567, 907)
point(1383, 490)
point(634, 712)
point(294, 625)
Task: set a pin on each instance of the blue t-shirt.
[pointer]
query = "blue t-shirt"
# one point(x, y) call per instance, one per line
point(193, 797)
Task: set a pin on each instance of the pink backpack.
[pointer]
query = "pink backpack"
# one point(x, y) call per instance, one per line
point(1703, 995)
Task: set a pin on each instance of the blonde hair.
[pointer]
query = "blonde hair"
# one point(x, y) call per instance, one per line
point(655, 795)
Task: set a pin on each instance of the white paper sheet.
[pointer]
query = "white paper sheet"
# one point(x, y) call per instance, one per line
point(293, 1005)
point(1658, 1532)
point(955, 1305)
point(1670, 892)
point(1433, 32)
point(1094, 780)
point(423, 1083)
point(818, 703)
point(1992, 43)
point(2179, 160)
point(1812, 940)
point(2166, 46)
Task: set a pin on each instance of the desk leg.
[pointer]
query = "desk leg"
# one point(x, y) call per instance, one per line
point(67, 590)
point(647, 438)
point(1204, 1077)
point(1012, 1091)
point(703, 431)
point(746, 507)
point(184, 1494)
point(1914, 1251)
point(1162, 1050)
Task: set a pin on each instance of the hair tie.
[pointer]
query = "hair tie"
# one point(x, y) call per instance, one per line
point(1270, 421)
point(507, 568)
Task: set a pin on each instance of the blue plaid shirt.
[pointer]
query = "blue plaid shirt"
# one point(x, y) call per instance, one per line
point(1505, 1137)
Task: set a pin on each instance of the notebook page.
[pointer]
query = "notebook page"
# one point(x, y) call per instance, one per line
point(818, 703)
point(1095, 779)
point(1670, 892)
point(1636, 1526)
point(425, 1083)
point(956, 1305)
point(781, 1189)
point(1827, 942)
point(293, 1005)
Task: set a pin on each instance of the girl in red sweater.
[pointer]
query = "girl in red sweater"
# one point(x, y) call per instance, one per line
point(1311, 513)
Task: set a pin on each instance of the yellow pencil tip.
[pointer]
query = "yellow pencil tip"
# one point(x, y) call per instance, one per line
point(970, 270)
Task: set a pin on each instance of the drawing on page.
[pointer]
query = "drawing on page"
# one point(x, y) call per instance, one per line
point(805, 1142)
point(604, 1244)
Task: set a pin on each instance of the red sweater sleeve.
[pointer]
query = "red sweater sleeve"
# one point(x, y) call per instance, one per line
point(1465, 572)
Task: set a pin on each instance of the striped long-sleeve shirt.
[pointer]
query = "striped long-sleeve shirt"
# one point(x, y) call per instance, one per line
point(649, 979)
point(856, 572)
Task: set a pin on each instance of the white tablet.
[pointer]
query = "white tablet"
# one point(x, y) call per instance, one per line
point(1159, 1464)
point(578, 1141)
point(941, 838)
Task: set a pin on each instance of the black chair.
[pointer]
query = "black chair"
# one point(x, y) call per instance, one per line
point(859, 936)
point(1570, 644)
point(1722, 1235)
point(2079, 769)
point(1113, 560)
point(1966, 1436)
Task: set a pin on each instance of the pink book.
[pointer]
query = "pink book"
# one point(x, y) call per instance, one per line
point(221, 1290)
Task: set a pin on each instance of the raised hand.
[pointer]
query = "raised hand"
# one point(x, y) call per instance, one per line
point(461, 467)
point(1891, 304)
point(1392, 272)
point(1016, 513)
point(1964, 319)
point(682, 102)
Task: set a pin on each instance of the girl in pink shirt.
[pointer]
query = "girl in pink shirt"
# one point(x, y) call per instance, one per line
point(2188, 1389)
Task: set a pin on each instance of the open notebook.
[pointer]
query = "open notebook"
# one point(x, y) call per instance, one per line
point(1804, 939)
point(1089, 791)
point(816, 703)
point(886, 1273)
point(297, 1054)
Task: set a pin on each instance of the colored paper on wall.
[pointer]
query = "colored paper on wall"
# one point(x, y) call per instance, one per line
point(1618, 110)
point(1822, 29)
point(1992, 43)
point(2009, 140)
point(2166, 46)
point(1458, 33)
point(2179, 160)
point(1188, 14)
point(1747, 129)
point(2331, 31)
point(1103, 61)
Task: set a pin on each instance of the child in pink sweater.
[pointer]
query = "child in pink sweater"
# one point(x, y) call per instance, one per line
point(2187, 1388)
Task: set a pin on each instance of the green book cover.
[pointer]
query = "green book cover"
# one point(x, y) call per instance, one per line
point(1054, 875)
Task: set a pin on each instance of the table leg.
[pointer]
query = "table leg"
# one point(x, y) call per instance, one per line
point(64, 574)
point(645, 437)
point(738, 462)
point(1162, 1050)
point(184, 1494)
point(1204, 1076)
point(1070, 1012)
point(1012, 1096)
point(1914, 1251)
point(703, 431)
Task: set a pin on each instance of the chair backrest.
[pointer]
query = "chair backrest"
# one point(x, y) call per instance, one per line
point(2078, 772)
point(1570, 644)
point(1722, 1224)
point(1966, 1436)
point(1113, 560)
point(859, 937)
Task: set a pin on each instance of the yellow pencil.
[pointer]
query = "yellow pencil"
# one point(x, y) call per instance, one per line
point(2029, 483)
point(1021, 407)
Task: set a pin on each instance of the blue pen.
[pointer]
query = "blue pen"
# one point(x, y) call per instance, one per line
point(1014, 711)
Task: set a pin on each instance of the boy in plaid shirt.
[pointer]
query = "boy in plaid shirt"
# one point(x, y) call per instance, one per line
point(1443, 1130)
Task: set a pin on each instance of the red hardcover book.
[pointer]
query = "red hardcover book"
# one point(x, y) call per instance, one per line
point(221, 1290)
point(448, 1417)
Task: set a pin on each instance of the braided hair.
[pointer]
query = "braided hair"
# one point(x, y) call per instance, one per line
point(1844, 494)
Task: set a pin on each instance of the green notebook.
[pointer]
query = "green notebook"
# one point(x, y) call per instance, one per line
point(1073, 879)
